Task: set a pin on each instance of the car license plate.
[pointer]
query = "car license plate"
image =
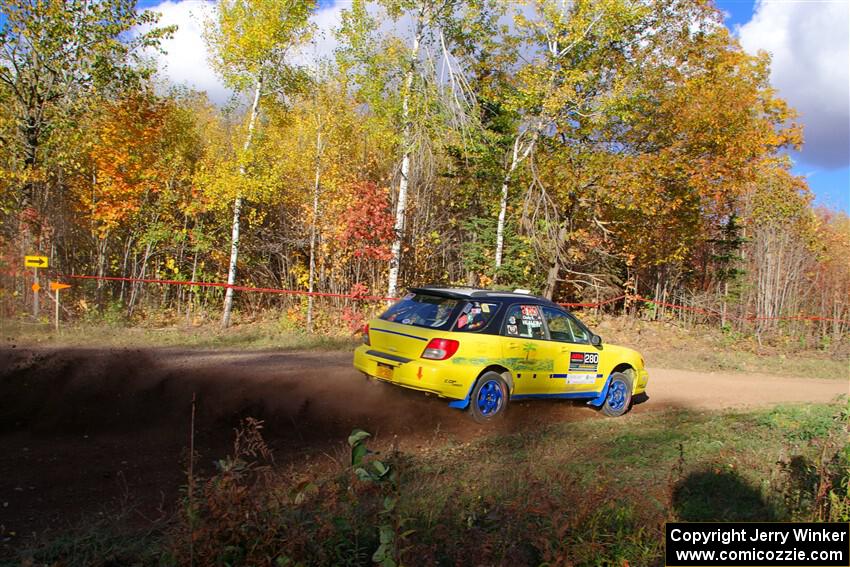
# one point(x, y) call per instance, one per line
point(384, 371)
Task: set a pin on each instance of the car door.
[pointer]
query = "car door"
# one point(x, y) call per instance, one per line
point(576, 361)
point(526, 350)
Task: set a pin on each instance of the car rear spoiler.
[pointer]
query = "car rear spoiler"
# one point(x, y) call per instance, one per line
point(438, 292)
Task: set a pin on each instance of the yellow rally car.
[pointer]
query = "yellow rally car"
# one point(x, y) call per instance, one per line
point(481, 348)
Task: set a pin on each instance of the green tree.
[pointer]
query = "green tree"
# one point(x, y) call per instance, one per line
point(572, 79)
point(416, 83)
point(54, 55)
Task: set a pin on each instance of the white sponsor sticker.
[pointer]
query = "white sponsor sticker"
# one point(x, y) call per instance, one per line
point(581, 378)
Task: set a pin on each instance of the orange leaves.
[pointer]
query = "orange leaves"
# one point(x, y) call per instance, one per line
point(702, 133)
point(778, 197)
point(832, 237)
point(368, 229)
point(124, 156)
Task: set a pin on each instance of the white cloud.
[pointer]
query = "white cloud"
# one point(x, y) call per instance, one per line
point(326, 20)
point(186, 61)
point(810, 51)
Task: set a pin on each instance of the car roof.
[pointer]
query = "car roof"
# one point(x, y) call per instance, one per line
point(478, 293)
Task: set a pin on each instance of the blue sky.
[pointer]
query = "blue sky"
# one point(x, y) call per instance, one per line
point(807, 39)
point(738, 12)
point(829, 182)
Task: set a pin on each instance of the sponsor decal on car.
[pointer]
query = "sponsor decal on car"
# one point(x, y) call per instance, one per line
point(581, 378)
point(584, 361)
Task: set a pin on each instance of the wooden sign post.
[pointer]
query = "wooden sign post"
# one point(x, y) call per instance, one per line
point(56, 286)
point(35, 262)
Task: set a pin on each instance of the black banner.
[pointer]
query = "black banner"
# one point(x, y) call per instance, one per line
point(757, 544)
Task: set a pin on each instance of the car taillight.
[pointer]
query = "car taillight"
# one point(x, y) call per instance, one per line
point(366, 334)
point(440, 349)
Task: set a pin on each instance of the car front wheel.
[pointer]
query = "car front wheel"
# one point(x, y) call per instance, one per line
point(618, 400)
point(489, 398)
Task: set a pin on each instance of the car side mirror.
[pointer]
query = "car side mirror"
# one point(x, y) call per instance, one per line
point(596, 340)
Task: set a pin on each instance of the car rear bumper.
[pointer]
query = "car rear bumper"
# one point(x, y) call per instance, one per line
point(417, 374)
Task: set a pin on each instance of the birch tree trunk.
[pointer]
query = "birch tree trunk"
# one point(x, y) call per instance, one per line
point(237, 210)
point(127, 248)
point(517, 156)
point(406, 142)
point(516, 159)
point(135, 288)
point(313, 228)
point(191, 296)
point(101, 269)
point(503, 205)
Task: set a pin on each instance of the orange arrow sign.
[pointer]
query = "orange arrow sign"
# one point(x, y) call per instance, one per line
point(36, 287)
point(56, 286)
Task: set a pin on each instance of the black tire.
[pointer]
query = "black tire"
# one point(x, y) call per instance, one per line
point(618, 399)
point(489, 398)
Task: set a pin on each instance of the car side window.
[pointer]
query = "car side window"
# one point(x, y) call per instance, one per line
point(564, 328)
point(559, 324)
point(579, 334)
point(524, 321)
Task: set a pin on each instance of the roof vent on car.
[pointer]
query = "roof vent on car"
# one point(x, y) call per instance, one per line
point(525, 291)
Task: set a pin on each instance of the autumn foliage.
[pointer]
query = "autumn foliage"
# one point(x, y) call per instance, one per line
point(368, 222)
point(624, 153)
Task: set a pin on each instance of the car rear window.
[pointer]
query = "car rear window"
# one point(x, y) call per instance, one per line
point(421, 310)
point(475, 315)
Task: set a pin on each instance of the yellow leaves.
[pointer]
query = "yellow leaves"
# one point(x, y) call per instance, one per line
point(301, 275)
point(256, 217)
point(253, 37)
point(778, 197)
point(171, 265)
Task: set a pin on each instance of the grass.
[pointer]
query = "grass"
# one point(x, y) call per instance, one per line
point(704, 348)
point(588, 493)
point(103, 542)
point(259, 334)
point(807, 365)
point(663, 345)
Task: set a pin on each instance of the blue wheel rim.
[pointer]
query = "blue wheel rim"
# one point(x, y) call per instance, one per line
point(490, 398)
point(617, 395)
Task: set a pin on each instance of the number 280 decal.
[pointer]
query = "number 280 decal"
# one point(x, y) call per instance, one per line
point(581, 361)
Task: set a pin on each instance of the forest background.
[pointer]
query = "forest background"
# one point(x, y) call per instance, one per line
point(586, 151)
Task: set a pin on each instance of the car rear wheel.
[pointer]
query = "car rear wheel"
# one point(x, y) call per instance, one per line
point(618, 400)
point(489, 398)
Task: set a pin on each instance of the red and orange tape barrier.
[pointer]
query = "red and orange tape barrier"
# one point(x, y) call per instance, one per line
point(700, 310)
point(234, 287)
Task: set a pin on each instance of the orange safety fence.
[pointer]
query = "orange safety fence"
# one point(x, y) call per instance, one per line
point(737, 318)
point(356, 297)
point(233, 287)
point(598, 304)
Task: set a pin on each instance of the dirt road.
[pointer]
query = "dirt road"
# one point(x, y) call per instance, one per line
point(86, 431)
